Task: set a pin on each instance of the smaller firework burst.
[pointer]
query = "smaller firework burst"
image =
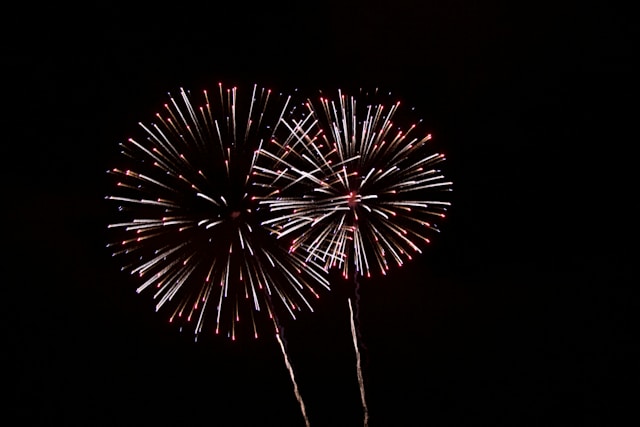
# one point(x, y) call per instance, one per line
point(356, 185)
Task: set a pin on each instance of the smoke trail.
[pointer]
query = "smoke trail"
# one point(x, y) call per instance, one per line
point(356, 337)
point(356, 314)
point(293, 379)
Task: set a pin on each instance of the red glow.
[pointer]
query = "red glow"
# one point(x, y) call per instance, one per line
point(352, 201)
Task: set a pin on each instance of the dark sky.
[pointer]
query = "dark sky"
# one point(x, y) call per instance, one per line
point(520, 312)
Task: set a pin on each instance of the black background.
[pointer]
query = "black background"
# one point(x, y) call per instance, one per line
point(520, 312)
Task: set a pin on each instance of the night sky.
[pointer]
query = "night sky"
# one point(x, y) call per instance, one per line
point(518, 314)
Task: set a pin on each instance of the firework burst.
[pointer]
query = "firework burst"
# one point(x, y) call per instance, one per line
point(353, 187)
point(188, 226)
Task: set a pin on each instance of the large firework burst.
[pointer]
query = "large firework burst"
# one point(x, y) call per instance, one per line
point(356, 185)
point(188, 225)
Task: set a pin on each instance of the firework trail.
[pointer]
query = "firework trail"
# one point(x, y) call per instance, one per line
point(189, 227)
point(355, 186)
point(355, 335)
point(293, 378)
